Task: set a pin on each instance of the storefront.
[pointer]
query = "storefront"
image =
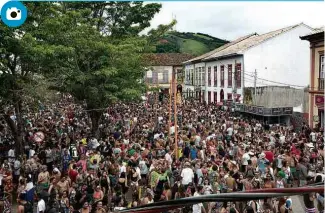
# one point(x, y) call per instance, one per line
point(277, 115)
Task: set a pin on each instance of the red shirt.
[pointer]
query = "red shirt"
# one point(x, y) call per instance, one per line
point(269, 156)
point(73, 175)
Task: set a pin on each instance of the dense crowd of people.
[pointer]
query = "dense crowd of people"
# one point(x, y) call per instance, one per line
point(132, 159)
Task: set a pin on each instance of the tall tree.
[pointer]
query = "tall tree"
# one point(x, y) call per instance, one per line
point(20, 54)
point(91, 50)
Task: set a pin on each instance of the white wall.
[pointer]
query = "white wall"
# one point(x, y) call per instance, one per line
point(168, 69)
point(218, 88)
point(286, 58)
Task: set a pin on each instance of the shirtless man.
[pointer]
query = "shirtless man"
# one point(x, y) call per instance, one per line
point(44, 177)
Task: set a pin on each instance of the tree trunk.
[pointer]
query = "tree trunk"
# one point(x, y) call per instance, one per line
point(95, 117)
point(16, 130)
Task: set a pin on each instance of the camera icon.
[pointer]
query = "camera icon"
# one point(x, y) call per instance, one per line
point(13, 14)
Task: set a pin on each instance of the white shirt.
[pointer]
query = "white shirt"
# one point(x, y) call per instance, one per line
point(245, 159)
point(197, 208)
point(168, 158)
point(156, 136)
point(122, 169)
point(172, 130)
point(313, 136)
point(187, 176)
point(31, 153)
point(230, 131)
point(282, 139)
point(29, 186)
point(41, 206)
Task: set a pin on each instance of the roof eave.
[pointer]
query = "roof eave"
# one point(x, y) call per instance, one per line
point(222, 57)
point(172, 65)
point(313, 36)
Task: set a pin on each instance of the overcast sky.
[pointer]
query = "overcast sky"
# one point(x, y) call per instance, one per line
point(230, 20)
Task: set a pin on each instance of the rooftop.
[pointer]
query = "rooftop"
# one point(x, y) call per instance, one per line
point(250, 41)
point(241, 44)
point(201, 57)
point(315, 32)
point(167, 59)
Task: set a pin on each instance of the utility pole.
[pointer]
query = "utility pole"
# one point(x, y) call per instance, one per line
point(170, 107)
point(234, 90)
point(156, 104)
point(175, 115)
point(255, 78)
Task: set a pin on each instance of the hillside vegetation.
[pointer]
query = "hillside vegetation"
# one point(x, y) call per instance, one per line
point(191, 43)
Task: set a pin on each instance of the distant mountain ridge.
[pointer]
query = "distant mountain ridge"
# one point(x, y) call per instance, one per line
point(187, 42)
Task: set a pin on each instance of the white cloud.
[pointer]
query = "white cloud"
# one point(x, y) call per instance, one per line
point(229, 20)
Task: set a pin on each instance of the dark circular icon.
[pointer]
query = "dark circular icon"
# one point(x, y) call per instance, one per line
point(14, 14)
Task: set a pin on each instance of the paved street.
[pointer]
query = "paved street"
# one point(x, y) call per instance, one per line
point(298, 205)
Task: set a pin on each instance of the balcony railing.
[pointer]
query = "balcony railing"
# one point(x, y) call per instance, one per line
point(321, 84)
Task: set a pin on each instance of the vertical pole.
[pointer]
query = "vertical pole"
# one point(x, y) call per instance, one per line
point(255, 78)
point(156, 108)
point(170, 106)
point(234, 91)
point(175, 114)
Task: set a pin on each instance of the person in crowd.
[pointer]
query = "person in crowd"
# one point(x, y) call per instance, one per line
point(132, 159)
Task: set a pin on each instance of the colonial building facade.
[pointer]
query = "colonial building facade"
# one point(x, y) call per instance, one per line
point(316, 89)
point(276, 57)
point(162, 67)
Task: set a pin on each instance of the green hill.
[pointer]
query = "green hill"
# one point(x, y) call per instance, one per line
point(191, 43)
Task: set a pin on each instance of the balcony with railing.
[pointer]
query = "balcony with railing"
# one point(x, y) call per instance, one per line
point(321, 84)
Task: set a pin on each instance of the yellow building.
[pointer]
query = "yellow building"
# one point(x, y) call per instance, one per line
point(316, 90)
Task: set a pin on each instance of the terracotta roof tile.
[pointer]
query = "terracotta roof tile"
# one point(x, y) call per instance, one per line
point(167, 59)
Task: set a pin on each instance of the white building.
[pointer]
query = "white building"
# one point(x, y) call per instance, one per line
point(162, 67)
point(279, 58)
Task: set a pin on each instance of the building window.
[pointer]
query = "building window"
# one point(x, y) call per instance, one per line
point(215, 98)
point(209, 76)
point(321, 71)
point(215, 75)
point(229, 75)
point(203, 76)
point(229, 96)
point(222, 71)
point(188, 76)
point(154, 78)
point(209, 97)
point(200, 76)
point(192, 77)
point(238, 76)
point(165, 77)
point(196, 80)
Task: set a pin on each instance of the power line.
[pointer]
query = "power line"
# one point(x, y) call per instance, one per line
point(293, 85)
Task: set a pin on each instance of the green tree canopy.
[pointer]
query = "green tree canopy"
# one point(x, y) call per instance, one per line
point(90, 50)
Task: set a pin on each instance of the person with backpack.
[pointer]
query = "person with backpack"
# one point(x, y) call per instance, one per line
point(23, 205)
